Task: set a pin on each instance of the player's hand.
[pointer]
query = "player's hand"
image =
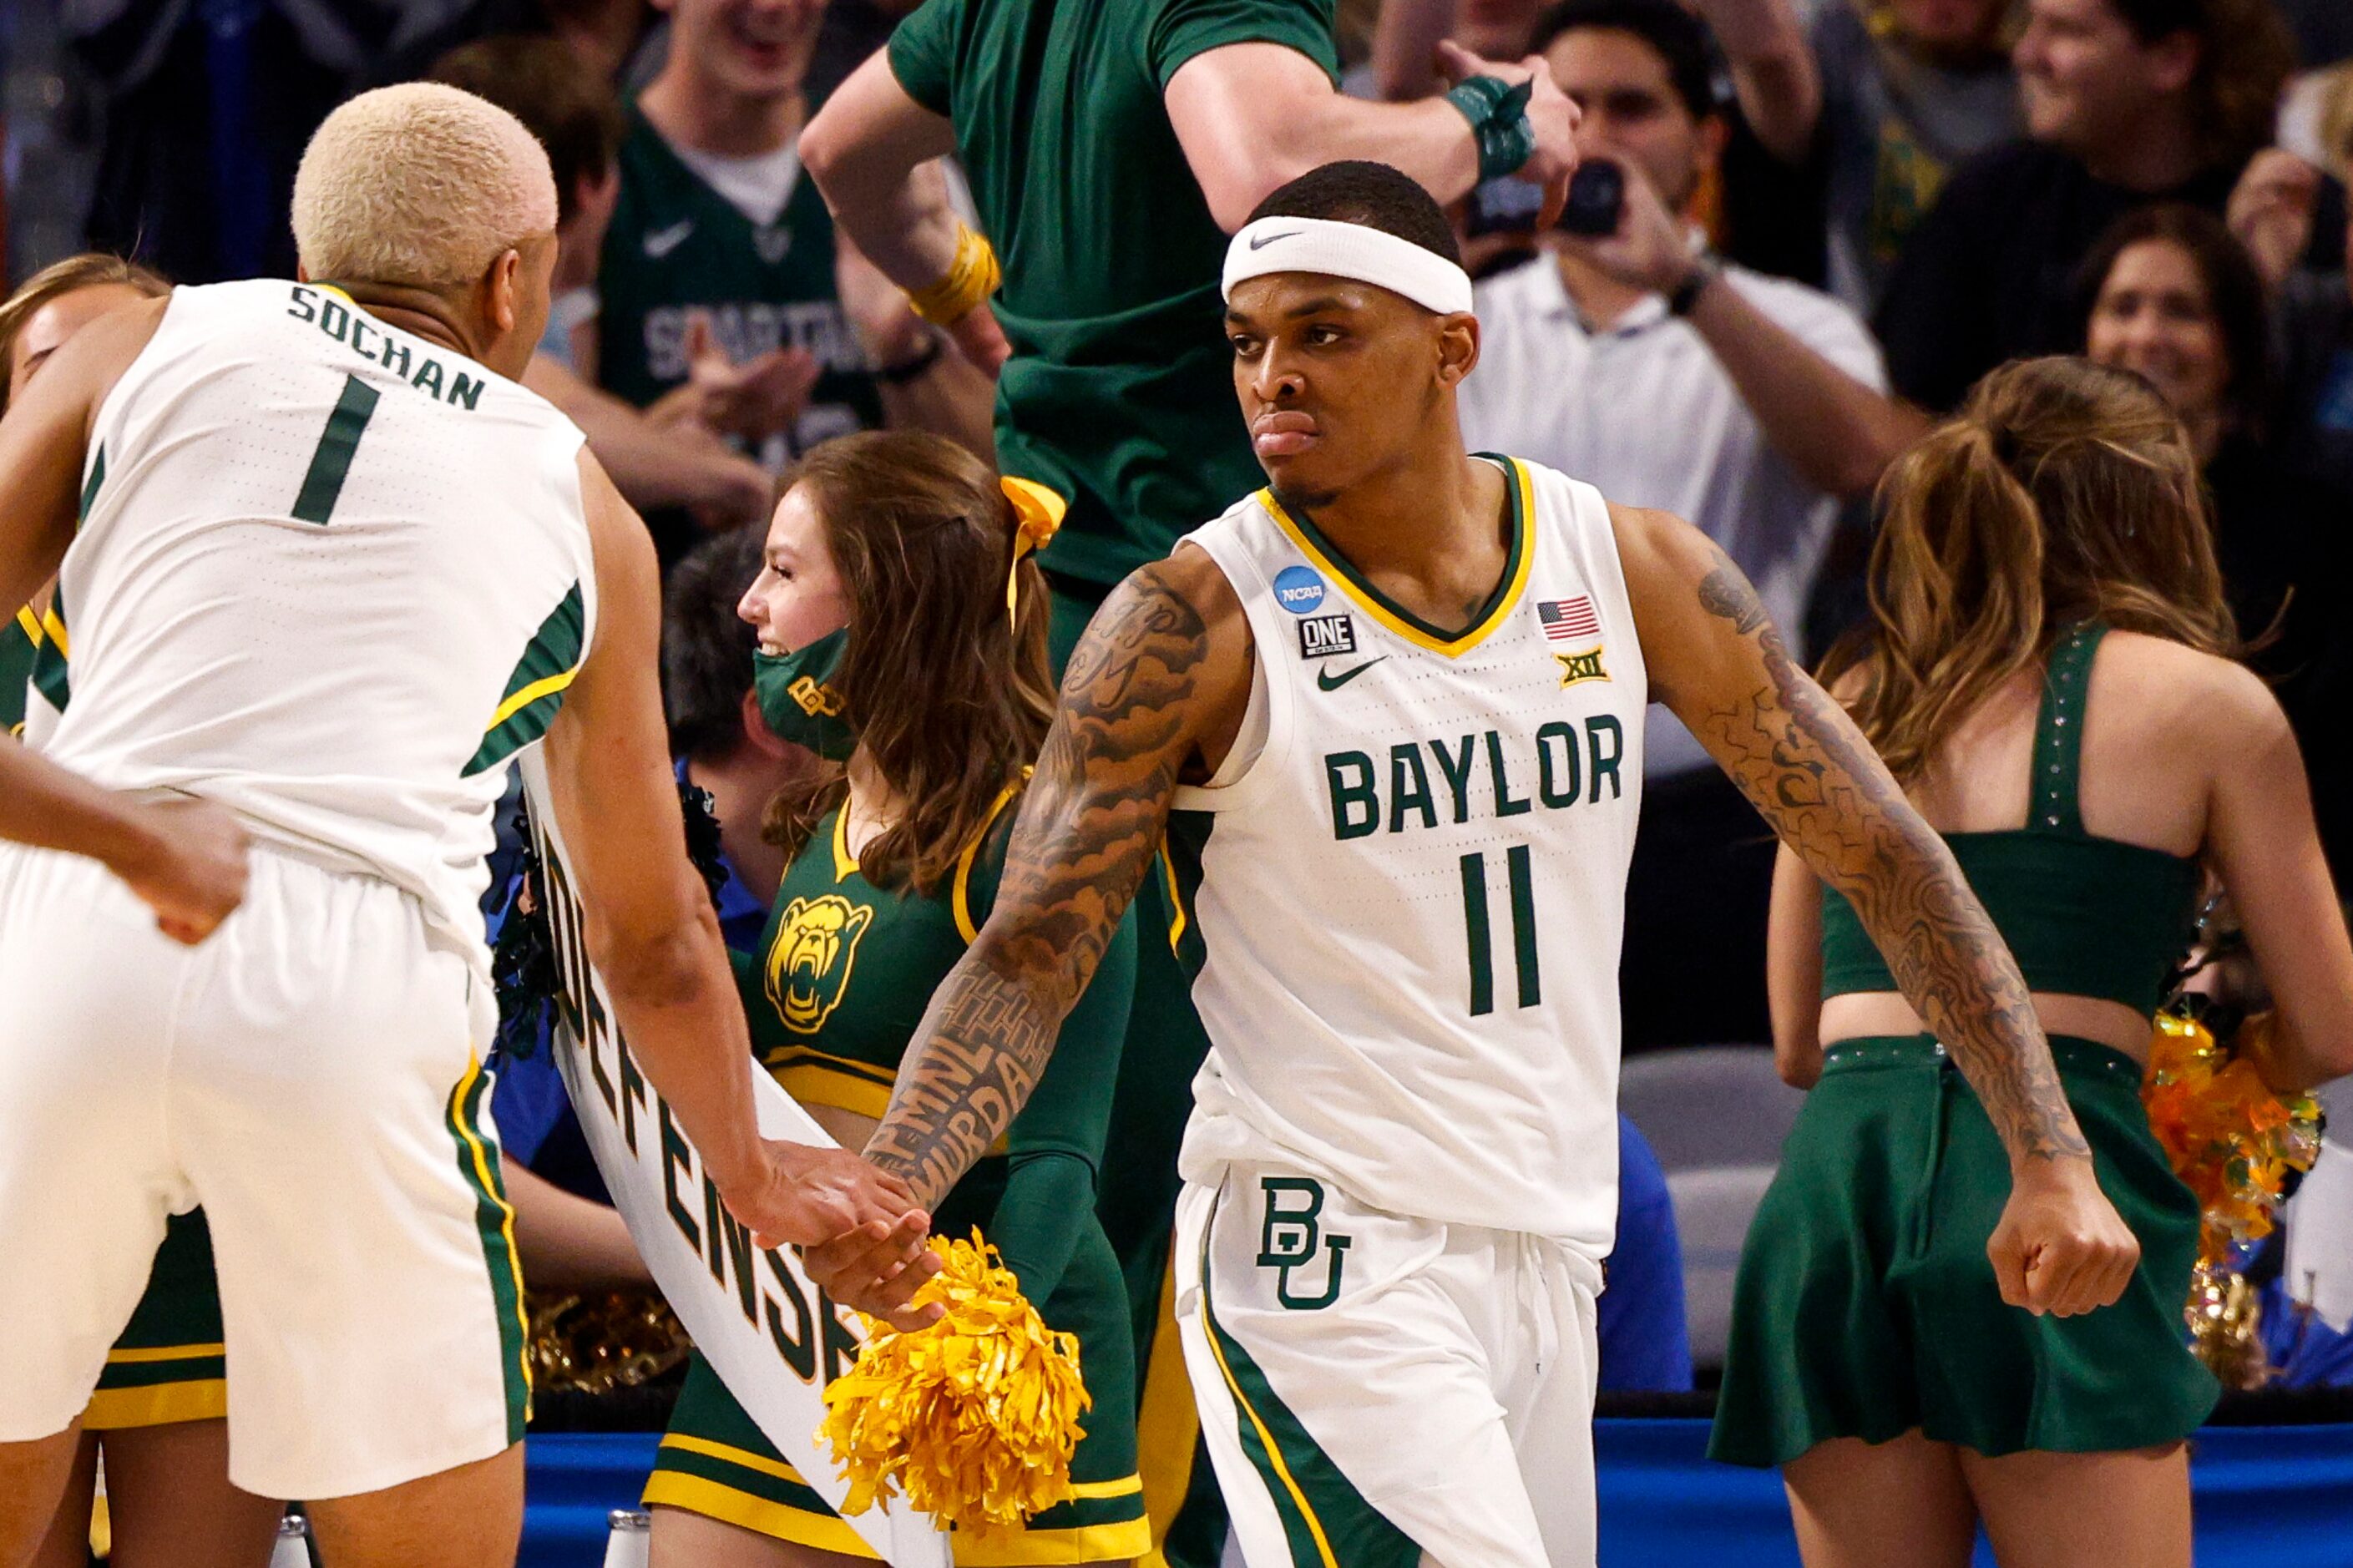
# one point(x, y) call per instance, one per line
point(1650, 250)
point(800, 1195)
point(878, 1268)
point(1551, 116)
point(2270, 211)
point(2061, 1248)
point(192, 870)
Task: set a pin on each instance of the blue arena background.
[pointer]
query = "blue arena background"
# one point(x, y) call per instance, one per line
point(2265, 1497)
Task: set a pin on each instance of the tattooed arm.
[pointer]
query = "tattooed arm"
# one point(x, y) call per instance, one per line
point(1715, 659)
point(1154, 693)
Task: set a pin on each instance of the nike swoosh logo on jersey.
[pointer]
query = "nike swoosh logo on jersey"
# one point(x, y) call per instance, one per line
point(1261, 242)
point(662, 241)
point(1327, 682)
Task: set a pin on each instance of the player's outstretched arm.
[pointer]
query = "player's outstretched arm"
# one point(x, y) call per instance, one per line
point(1253, 116)
point(1159, 680)
point(651, 934)
point(1716, 660)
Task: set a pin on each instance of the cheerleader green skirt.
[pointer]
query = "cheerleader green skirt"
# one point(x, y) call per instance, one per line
point(1866, 1304)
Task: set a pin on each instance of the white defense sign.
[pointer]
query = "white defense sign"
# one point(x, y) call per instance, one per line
point(775, 1339)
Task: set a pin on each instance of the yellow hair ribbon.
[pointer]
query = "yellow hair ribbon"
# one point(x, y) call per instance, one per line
point(1038, 514)
point(970, 279)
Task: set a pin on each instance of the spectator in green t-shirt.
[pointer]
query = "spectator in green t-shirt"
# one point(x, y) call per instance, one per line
point(1110, 147)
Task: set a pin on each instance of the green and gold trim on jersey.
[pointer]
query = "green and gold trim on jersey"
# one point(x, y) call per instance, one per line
point(1321, 554)
point(92, 485)
point(1325, 1521)
point(20, 645)
point(1181, 847)
point(535, 692)
point(494, 1220)
point(51, 651)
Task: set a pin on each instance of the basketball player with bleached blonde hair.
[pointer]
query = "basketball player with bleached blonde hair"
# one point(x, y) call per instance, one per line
point(334, 569)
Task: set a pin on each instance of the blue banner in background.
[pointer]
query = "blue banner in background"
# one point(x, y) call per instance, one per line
point(2265, 1497)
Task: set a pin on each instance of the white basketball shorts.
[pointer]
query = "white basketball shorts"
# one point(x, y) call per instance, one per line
point(1382, 1392)
point(309, 1075)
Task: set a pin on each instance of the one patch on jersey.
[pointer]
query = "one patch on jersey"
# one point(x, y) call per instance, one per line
point(1577, 667)
point(1299, 589)
point(1320, 637)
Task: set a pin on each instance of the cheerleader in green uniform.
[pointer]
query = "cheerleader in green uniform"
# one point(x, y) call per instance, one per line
point(2051, 674)
point(892, 646)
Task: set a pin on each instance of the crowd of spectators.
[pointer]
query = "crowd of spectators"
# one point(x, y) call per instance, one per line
point(1833, 216)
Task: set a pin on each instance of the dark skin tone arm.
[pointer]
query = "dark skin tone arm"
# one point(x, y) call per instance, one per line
point(1153, 694)
point(1153, 697)
point(1718, 663)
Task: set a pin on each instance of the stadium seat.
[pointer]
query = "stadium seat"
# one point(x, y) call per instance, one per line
point(1715, 1115)
point(1709, 1106)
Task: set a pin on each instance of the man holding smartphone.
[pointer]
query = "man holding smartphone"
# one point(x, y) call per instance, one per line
point(1629, 355)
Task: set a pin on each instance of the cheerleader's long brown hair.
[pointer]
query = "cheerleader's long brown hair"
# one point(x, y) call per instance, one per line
point(948, 693)
point(2062, 491)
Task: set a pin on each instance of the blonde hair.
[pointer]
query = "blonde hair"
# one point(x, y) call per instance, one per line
point(422, 186)
point(2062, 492)
point(92, 270)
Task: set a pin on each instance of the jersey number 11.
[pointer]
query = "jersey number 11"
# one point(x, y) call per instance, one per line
point(1477, 932)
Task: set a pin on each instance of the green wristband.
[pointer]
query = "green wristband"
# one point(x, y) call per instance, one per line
point(1498, 114)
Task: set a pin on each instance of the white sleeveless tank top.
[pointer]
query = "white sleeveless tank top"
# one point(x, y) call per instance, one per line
point(329, 576)
point(1404, 904)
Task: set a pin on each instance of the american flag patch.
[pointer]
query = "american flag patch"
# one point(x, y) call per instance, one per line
point(1565, 620)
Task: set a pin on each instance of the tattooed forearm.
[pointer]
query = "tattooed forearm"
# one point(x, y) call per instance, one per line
point(1802, 763)
point(1089, 827)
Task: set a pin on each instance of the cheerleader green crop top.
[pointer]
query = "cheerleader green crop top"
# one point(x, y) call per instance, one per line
point(2084, 916)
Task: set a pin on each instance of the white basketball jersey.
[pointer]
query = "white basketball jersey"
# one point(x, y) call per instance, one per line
point(1406, 900)
point(329, 576)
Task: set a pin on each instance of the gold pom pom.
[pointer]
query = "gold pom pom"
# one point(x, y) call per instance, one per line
point(976, 1417)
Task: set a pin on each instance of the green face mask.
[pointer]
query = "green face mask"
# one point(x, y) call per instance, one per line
point(800, 699)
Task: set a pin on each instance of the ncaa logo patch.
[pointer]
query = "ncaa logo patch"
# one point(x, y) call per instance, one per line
point(1320, 637)
point(1299, 589)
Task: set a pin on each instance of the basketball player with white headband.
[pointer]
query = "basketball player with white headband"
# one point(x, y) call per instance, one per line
point(1388, 713)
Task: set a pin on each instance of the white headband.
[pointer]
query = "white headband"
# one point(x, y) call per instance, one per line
point(1347, 250)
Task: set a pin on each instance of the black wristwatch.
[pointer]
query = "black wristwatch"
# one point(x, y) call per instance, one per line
point(1706, 268)
point(905, 371)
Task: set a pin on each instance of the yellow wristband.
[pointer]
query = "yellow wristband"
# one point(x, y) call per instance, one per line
point(970, 279)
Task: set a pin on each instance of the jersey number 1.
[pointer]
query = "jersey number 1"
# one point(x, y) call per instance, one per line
point(1477, 932)
point(332, 460)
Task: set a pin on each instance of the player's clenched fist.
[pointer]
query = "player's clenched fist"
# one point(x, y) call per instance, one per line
point(2060, 1247)
point(189, 868)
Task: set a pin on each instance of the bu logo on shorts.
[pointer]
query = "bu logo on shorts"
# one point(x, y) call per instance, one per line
point(1292, 1236)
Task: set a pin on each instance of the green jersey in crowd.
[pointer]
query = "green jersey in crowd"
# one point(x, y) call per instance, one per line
point(1120, 391)
point(677, 246)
